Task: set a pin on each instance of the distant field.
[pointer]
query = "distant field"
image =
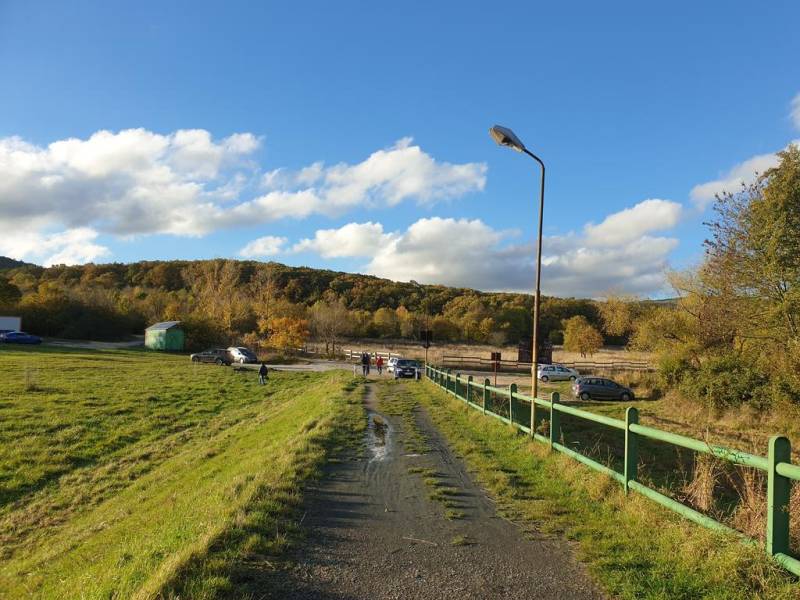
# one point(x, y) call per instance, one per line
point(412, 349)
point(121, 470)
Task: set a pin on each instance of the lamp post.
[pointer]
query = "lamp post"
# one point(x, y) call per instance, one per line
point(505, 137)
point(426, 341)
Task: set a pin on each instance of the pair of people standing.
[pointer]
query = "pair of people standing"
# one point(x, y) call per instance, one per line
point(366, 362)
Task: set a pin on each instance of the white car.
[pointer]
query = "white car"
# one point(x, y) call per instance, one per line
point(242, 355)
point(556, 373)
point(391, 364)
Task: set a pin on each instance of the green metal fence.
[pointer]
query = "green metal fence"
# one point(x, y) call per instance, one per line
point(513, 408)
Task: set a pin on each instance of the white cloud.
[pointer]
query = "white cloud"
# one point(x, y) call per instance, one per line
point(470, 253)
point(795, 113)
point(136, 182)
point(353, 239)
point(268, 245)
point(632, 223)
point(73, 246)
point(741, 174)
point(386, 178)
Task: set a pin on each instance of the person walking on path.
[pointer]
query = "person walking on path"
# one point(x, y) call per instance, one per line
point(379, 364)
point(364, 364)
point(262, 374)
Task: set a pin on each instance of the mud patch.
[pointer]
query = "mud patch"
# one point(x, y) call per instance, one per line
point(379, 437)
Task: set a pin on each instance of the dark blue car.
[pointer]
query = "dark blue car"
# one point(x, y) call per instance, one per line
point(406, 368)
point(19, 337)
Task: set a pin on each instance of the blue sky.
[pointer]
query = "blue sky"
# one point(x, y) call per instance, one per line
point(353, 135)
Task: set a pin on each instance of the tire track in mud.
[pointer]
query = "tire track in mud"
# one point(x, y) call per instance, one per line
point(375, 534)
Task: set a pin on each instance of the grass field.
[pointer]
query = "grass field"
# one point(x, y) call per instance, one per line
point(633, 546)
point(125, 474)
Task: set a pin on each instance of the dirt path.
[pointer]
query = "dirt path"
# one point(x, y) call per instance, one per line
point(376, 534)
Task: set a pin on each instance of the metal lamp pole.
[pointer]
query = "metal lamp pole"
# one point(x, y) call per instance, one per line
point(505, 137)
point(422, 289)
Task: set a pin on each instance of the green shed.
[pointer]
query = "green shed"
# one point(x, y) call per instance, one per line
point(164, 336)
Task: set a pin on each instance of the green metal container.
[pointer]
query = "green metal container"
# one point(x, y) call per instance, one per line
point(166, 336)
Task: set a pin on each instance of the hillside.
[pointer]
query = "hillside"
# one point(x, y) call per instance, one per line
point(229, 299)
point(10, 263)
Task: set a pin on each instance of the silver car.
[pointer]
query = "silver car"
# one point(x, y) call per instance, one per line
point(556, 373)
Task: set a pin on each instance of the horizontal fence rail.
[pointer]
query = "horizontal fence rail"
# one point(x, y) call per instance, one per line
point(527, 414)
point(581, 365)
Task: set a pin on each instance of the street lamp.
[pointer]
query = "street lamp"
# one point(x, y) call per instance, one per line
point(424, 292)
point(505, 137)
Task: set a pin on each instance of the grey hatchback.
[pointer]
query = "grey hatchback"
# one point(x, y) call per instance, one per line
point(598, 388)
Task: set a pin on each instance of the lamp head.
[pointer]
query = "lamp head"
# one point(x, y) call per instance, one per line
point(505, 137)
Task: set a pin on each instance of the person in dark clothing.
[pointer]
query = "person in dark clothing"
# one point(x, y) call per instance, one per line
point(364, 364)
point(262, 374)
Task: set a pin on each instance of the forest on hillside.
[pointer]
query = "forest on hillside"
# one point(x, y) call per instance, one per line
point(265, 303)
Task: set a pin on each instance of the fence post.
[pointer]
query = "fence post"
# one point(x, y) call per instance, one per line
point(778, 491)
point(555, 419)
point(486, 383)
point(457, 385)
point(447, 382)
point(469, 388)
point(512, 389)
point(631, 446)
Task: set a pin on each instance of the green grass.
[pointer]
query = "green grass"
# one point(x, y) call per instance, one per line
point(129, 474)
point(634, 548)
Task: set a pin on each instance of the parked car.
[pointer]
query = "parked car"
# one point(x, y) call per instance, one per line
point(556, 373)
point(390, 364)
point(598, 388)
point(20, 337)
point(242, 355)
point(405, 367)
point(218, 356)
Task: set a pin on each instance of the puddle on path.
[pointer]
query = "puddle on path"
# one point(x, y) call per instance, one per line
point(380, 437)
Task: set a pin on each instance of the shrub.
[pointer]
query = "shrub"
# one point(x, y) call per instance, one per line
point(726, 381)
point(672, 370)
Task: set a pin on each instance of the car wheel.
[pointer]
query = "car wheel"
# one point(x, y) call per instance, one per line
point(219, 361)
point(545, 378)
point(625, 397)
point(585, 396)
point(195, 359)
point(572, 378)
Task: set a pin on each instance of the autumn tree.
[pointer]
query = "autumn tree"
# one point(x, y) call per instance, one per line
point(385, 321)
point(330, 321)
point(618, 315)
point(287, 334)
point(580, 336)
point(406, 321)
point(9, 293)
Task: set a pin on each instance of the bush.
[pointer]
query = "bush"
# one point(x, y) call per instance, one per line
point(726, 381)
point(672, 370)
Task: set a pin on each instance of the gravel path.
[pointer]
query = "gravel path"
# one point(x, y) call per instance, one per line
point(375, 534)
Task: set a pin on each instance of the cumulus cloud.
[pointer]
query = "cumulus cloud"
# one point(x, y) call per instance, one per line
point(73, 246)
point(353, 239)
point(269, 245)
point(126, 183)
point(795, 113)
point(137, 182)
point(632, 223)
point(386, 178)
point(618, 254)
point(742, 173)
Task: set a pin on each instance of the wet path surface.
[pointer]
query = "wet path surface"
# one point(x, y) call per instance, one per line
point(376, 534)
